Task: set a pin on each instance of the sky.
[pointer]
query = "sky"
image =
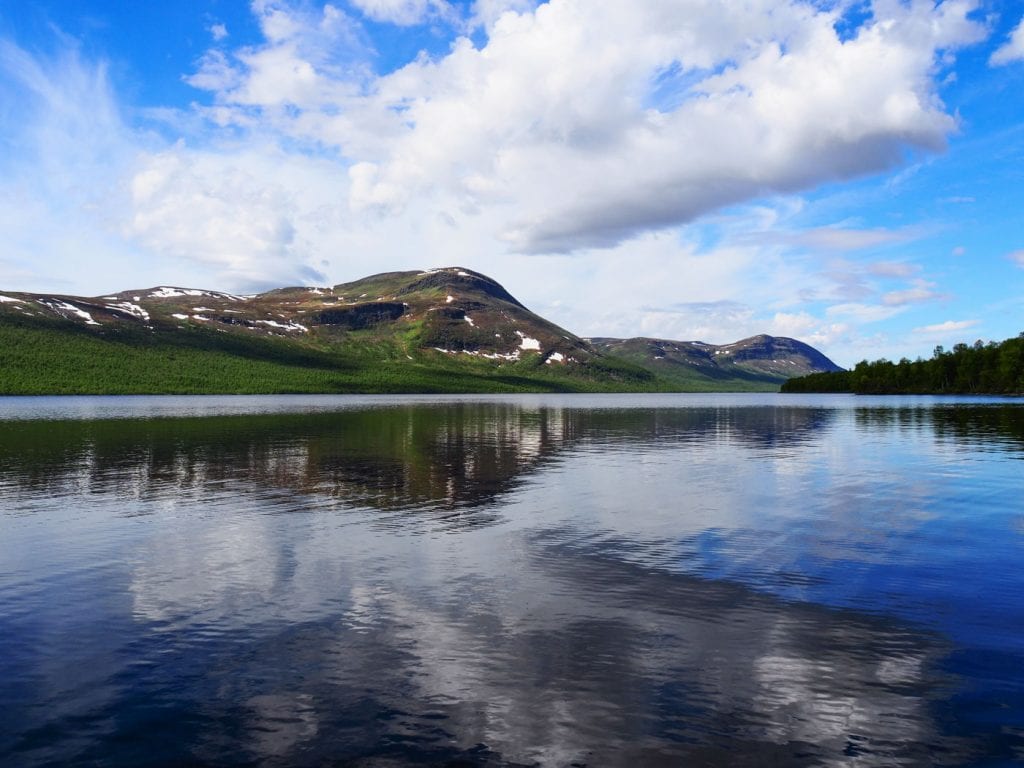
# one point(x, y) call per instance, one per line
point(850, 174)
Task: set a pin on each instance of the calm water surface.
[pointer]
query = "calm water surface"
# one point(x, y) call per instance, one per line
point(539, 580)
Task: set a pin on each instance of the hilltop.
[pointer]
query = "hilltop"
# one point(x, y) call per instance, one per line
point(438, 330)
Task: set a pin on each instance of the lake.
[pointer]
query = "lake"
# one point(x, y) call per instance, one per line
point(531, 580)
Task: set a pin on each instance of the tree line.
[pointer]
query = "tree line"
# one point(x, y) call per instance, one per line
point(968, 369)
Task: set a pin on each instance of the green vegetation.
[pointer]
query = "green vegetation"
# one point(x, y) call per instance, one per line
point(42, 356)
point(993, 368)
point(441, 331)
point(697, 378)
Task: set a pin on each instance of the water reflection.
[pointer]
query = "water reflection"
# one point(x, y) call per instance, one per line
point(447, 457)
point(991, 426)
point(581, 659)
point(501, 583)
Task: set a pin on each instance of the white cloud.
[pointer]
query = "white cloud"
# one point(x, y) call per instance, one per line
point(863, 313)
point(215, 73)
point(68, 114)
point(854, 281)
point(218, 31)
point(91, 203)
point(920, 291)
point(224, 211)
point(809, 329)
point(57, 191)
point(849, 239)
point(310, 60)
point(1012, 50)
point(836, 238)
point(947, 327)
point(893, 269)
point(402, 12)
point(1017, 257)
point(486, 12)
point(582, 124)
point(593, 127)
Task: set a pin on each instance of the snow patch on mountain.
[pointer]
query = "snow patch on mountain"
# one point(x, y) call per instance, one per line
point(284, 326)
point(62, 307)
point(527, 343)
point(130, 309)
point(169, 292)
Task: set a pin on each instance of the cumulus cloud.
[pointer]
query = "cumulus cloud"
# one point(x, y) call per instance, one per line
point(224, 211)
point(486, 12)
point(309, 60)
point(807, 328)
point(582, 124)
point(1017, 257)
point(1012, 50)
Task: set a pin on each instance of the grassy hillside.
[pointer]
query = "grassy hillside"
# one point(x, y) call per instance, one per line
point(439, 330)
point(42, 356)
point(688, 375)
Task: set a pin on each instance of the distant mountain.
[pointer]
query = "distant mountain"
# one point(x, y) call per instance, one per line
point(756, 358)
point(446, 329)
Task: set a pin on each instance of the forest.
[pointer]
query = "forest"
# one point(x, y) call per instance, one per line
point(995, 368)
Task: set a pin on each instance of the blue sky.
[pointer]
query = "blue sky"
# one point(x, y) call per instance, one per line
point(846, 173)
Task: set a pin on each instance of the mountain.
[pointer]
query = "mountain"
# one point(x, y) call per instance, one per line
point(437, 330)
point(757, 358)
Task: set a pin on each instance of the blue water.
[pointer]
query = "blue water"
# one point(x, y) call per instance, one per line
point(535, 580)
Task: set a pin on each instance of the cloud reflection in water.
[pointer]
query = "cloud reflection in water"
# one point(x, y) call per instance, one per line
point(490, 582)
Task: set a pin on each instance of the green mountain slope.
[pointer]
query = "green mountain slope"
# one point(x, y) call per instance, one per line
point(759, 361)
point(446, 330)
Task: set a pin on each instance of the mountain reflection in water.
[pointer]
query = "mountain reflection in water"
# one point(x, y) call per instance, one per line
point(510, 583)
point(463, 455)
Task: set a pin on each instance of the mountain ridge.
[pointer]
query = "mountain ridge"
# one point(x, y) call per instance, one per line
point(447, 318)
